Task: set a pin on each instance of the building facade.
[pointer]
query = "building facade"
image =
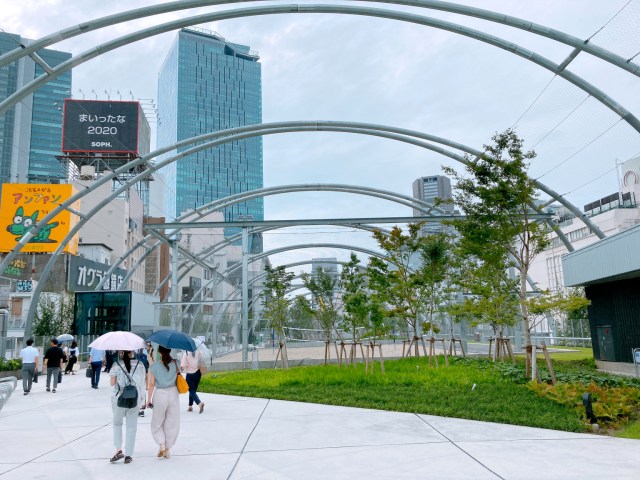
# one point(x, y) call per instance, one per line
point(612, 214)
point(433, 188)
point(30, 132)
point(206, 84)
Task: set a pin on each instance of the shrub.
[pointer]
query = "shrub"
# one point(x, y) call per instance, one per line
point(8, 365)
point(612, 406)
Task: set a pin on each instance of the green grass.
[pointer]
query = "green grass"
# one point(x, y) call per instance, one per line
point(631, 430)
point(409, 385)
point(576, 353)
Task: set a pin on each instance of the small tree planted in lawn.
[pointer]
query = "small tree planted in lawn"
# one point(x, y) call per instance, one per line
point(276, 304)
point(497, 196)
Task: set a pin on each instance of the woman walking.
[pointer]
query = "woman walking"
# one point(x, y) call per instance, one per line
point(191, 363)
point(124, 372)
point(165, 421)
point(73, 358)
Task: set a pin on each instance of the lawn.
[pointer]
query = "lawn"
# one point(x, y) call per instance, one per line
point(472, 389)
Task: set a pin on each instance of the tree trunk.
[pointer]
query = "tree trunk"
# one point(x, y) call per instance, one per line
point(523, 306)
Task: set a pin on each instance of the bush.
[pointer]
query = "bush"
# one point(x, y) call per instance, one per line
point(616, 399)
point(612, 406)
point(9, 365)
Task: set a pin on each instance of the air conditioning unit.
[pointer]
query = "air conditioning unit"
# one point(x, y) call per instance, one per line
point(87, 172)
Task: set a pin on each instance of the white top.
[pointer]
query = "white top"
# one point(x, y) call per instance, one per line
point(191, 363)
point(137, 375)
point(29, 354)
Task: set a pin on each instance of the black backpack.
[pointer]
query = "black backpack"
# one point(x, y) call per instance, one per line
point(129, 396)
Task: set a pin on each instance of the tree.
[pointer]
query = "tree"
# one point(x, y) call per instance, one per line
point(496, 195)
point(322, 286)
point(558, 305)
point(491, 299)
point(408, 281)
point(355, 297)
point(300, 314)
point(435, 254)
point(577, 321)
point(54, 315)
point(275, 302)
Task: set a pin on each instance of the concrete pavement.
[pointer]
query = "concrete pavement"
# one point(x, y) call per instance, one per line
point(69, 435)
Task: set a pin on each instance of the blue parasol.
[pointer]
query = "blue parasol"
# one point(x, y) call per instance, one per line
point(173, 339)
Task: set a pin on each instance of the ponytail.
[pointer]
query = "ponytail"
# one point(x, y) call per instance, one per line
point(165, 354)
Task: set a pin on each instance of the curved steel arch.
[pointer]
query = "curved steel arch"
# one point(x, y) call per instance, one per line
point(234, 134)
point(268, 129)
point(489, 15)
point(401, 199)
point(253, 280)
point(230, 240)
point(558, 69)
point(422, 205)
point(259, 256)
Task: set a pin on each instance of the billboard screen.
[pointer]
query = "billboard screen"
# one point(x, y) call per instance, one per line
point(93, 126)
point(22, 205)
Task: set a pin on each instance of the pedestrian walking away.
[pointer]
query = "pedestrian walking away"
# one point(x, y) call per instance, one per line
point(126, 372)
point(96, 359)
point(29, 356)
point(53, 363)
point(74, 351)
point(190, 363)
point(165, 421)
point(108, 361)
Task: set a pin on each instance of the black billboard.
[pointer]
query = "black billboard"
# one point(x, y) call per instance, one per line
point(85, 275)
point(94, 126)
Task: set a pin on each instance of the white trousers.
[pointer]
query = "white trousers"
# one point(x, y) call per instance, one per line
point(165, 422)
point(119, 414)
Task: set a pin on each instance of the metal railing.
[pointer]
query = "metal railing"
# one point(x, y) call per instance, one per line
point(551, 341)
point(7, 387)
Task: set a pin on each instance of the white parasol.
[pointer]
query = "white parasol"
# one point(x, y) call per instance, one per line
point(118, 341)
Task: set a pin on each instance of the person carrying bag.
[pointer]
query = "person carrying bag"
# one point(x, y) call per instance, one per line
point(128, 382)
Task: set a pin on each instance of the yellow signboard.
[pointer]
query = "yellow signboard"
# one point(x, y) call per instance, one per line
point(23, 205)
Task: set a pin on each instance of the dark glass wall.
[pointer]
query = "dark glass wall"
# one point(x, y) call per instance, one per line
point(615, 305)
point(101, 312)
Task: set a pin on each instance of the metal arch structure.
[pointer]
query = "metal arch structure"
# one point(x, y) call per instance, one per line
point(401, 199)
point(233, 295)
point(421, 205)
point(402, 135)
point(215, 248)
point(578, 44)
point(247, 132)
point(239, 133)
point(558, 69)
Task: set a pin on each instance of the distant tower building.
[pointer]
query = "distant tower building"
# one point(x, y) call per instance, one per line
point(206, 84)
point(432, 188)
point(30, 132)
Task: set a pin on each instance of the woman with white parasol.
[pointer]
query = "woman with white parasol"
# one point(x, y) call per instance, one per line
point(127, 378)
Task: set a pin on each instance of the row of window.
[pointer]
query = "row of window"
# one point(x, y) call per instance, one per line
point(572, 236)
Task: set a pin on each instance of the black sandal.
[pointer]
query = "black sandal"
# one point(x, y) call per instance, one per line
point(117, 456)
point(128, 459)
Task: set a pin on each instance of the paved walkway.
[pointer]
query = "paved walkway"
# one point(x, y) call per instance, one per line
point(69, 435)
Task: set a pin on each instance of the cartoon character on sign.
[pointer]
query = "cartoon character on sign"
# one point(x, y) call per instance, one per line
point(23, 223)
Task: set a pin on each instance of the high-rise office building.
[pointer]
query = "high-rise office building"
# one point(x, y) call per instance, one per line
point(31, 132)
point(433, 188)
point(206, 84)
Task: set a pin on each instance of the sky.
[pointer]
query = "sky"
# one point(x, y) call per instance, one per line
point(352, 68)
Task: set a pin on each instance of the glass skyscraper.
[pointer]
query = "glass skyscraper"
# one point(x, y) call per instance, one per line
point(31, 132)
point(206, 84)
